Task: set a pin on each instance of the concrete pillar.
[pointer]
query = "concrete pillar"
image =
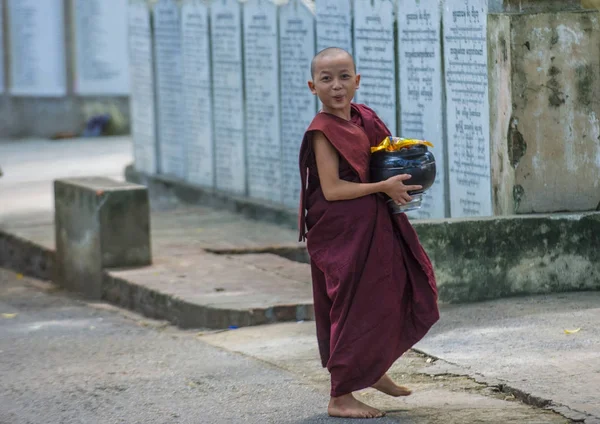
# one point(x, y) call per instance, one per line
point(544, 76)
point(99, 223)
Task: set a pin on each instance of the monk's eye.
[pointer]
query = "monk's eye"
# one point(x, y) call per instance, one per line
point(346, 76)
point(325, 79)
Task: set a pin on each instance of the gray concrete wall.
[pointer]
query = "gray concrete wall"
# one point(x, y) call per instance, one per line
point(45, 117)
point(545, 127)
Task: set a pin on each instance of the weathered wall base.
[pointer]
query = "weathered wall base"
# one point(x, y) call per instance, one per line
point(46, 117)
point(474, 259)
point(544, 77)
point(479, 259)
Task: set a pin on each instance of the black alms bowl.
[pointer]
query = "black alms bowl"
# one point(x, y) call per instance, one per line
point(416, 160)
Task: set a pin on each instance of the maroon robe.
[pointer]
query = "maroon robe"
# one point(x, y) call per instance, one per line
point(374, 288)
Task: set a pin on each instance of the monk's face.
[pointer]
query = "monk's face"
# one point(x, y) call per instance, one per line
point(335, 81)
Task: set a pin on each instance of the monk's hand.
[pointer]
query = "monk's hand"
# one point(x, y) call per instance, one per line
point(397, 190)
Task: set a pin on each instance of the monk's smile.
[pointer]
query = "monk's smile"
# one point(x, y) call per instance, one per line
point(335, 81)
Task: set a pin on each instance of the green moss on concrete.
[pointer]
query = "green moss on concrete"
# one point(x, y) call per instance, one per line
point(517, 147)
point(493, 258)
point(586, 75)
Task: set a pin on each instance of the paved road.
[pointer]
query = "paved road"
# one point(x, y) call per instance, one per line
point(63, 361)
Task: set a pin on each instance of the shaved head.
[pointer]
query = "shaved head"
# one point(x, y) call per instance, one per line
point(326, 53)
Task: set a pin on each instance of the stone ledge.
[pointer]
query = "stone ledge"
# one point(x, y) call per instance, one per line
point(26, 257)
point(491, 258)
point(213, 291)
point(186, 314)
point(33, 260)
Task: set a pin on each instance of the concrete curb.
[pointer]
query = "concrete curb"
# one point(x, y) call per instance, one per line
point(33, 260)
point(26, 257)
point(154, 304)
point(161, 187)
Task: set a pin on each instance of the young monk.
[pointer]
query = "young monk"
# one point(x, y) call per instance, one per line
point(374, 288)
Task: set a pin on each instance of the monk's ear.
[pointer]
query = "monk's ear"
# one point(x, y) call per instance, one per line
point(357, 80)
point(311, 85)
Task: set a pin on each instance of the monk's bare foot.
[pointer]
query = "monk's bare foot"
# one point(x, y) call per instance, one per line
point(387, 386)
point(347, 406)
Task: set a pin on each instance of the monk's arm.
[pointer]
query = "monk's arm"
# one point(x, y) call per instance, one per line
point(334, 188)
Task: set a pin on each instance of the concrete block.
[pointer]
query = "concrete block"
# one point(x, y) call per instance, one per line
point(544, 71)
point(99, 223)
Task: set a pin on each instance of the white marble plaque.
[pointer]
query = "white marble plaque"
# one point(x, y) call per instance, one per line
point(101, 55)
point(334, 24)
point(263, 128)
point(228, 96)
point(141, 100)
point(167, 47)
point(375, 58)
point(197, 96)
point(299, 105)
point(1, 47)
point(467, 107)
point(37, 48)
point(421, 90)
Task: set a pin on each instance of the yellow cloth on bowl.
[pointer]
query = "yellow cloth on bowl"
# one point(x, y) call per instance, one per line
point(393, 144)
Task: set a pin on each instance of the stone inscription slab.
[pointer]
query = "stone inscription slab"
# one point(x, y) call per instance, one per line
point(228, 92)
point(167, 45)
point(421, 90)
point(37, 48)
point(375, 58)
point(465, 58)
point(197, 94)
point(299, 105)
point(142, 101)
point(102, 59)
point(334, 24)
point(263, 129)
